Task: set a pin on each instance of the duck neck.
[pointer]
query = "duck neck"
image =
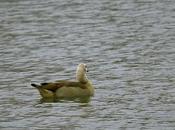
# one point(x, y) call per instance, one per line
point(81, 76)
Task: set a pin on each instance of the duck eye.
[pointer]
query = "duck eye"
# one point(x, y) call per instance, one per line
point(86, 69)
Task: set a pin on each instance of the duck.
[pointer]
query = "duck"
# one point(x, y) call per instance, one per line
point(80, 87)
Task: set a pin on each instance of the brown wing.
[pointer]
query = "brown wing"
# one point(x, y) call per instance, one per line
point(75, 84)
point(51, 86)
point(58, 84)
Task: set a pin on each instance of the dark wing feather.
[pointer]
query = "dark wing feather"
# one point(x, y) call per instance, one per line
point(51, 86)
point(58, 84)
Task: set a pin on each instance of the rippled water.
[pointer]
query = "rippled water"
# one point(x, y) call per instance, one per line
point(128, 46)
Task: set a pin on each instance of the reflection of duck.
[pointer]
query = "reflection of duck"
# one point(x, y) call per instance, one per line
point(84, 100)
point(65, 88)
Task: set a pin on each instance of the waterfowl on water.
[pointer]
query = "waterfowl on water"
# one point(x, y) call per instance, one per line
point(65, 88)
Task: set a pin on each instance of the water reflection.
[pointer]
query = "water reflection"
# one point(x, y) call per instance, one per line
point(63, 100)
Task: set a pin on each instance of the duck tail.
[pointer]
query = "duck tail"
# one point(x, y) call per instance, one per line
point(44, 92)
point(35, 85)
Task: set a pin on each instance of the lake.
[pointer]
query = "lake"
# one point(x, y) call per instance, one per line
point(128, 47)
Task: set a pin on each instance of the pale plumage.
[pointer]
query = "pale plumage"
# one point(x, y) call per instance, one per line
point(64, 88)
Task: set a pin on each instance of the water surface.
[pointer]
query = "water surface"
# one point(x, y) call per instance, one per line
point(127, 45)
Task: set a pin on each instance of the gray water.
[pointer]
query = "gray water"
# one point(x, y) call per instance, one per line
point(128, 46)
